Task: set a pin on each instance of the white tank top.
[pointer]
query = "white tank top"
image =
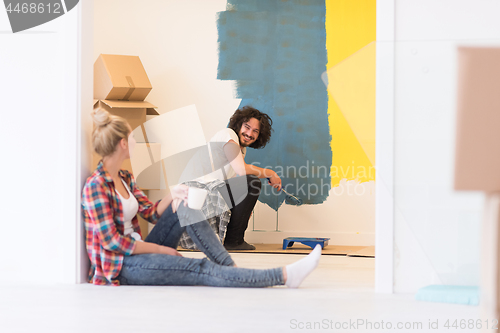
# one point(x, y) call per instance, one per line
point(130, 208)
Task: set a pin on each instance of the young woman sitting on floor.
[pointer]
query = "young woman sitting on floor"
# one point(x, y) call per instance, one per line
point(111, 201)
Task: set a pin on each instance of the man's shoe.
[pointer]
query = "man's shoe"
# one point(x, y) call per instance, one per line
point(242, 246)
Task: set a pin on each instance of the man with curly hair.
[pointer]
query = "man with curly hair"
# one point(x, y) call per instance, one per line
point(248, 127)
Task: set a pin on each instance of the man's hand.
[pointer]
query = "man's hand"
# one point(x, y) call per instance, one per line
point(275, 181)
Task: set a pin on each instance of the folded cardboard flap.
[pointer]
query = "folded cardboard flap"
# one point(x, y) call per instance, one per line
point(134, 112)
point(150, 108)
point(120, 77)
point(134, 116)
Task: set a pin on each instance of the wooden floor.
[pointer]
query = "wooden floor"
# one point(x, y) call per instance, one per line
point(339, 292)
point(351, 251)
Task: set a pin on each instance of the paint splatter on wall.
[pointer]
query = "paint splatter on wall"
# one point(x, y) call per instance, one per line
point(276, 52)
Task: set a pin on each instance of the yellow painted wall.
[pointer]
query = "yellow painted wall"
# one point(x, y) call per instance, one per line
point(350, 43)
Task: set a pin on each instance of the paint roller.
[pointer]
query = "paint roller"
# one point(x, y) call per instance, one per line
point(290, 198)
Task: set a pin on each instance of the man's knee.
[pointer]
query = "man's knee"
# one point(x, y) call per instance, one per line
point(254, 184)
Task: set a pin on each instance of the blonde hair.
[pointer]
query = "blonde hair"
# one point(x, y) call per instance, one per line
point(108, 131)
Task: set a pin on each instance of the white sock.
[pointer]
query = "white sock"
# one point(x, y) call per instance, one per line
point(298, 271)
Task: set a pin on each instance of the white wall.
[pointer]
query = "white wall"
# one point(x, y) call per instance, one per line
point(347, 218)
point(40, 134)
point(437, 230)
point(177, 43)
point(384, 149)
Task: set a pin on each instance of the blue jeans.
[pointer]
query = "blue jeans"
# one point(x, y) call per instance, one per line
point(241, 208)
point(219, 271)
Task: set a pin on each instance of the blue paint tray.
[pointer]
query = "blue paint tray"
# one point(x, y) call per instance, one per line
point(309, 241)
point(468, 295)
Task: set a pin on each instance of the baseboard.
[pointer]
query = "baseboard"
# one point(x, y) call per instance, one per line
point(344, 239)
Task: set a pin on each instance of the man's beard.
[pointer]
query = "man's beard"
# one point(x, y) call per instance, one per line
point(243, 143)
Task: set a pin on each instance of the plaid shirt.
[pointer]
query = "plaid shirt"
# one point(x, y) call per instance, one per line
point(215, 210)
point(104, 224)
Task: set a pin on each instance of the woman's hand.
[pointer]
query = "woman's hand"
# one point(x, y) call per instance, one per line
point(170, 251)
point(179, 193)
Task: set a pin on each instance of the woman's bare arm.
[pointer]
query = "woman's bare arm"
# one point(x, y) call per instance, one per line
point(145, 247)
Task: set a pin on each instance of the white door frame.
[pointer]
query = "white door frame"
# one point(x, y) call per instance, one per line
point(85, 79)
point(384, 148)
point(384, 211)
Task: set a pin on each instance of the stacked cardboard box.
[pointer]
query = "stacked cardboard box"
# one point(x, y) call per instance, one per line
point(120, 87)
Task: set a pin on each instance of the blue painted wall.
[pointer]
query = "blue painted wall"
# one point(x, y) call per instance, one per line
point(276, 51)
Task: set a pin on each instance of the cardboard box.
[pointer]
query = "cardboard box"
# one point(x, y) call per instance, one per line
point(154, 196)
point(135, 112)
point(145, 165)
point(477, 158)
point(120, 77)
point(145, 226)
point(143, 223)
point(139, 132)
